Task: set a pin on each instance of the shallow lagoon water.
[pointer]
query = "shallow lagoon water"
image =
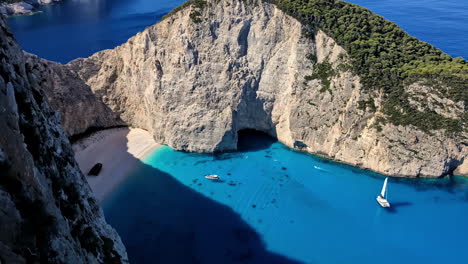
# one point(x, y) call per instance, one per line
point(276, 205)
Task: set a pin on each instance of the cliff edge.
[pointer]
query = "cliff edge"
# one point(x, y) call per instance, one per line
point(212, 68)
point(48, 213)
point(80, 109)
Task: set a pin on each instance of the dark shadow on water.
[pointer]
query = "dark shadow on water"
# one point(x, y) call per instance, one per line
point(449, 184)
point(225, 156)
point(217, 181)
point(395, 205)
point(400, 204)
point(161, 220)
point(253, 140)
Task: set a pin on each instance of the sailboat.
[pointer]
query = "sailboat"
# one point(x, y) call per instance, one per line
point(382, 198)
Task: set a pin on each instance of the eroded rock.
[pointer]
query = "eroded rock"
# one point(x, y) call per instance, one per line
point(48, 213)
point(194, 82)
point(241, 65)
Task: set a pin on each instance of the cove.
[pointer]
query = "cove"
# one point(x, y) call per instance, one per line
point(276, 205)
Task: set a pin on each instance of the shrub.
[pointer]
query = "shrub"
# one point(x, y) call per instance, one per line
point(387, 59)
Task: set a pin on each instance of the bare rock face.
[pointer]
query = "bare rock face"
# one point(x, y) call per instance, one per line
point(202, 74)
point(194, 85)
point(25, 7)
point(20, 8)
point(80, 110)
point(48, 214)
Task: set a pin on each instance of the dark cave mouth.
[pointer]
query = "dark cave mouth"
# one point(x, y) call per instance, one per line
point(253, 140)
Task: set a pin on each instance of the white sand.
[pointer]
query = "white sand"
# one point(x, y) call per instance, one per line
point(119, 150)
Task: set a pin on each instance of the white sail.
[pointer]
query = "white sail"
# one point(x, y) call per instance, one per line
point(384, 188)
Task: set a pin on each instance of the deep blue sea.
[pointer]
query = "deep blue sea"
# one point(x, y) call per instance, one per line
point(443, 23)
point(274, 205)
point(79, 28)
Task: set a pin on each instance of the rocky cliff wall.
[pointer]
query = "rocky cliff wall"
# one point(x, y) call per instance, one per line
point(211, 69)
point(80, 110)
point(26, 7)
point(48, 214)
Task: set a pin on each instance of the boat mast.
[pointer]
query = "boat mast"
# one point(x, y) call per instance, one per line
point(384, 188)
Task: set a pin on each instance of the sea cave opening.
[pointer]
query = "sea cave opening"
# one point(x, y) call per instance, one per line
point(252, 140)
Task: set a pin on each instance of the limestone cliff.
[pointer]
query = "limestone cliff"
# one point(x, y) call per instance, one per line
point(26, 7)
point(48, 214)
point(213, 68)
point(80, 110)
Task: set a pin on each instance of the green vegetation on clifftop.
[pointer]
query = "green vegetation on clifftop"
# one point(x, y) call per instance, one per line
point(385, 57)
point(197, 7)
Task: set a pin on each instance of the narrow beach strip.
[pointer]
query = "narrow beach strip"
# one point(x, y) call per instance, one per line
point(118, 149)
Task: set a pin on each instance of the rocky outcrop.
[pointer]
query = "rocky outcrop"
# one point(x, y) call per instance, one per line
point(26, 7)
point(48, 214)
point(211, 69)
point(19, 8)
point(80, 110)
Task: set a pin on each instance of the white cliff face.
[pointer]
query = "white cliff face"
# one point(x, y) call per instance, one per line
point(250, 66)
point(197, 84)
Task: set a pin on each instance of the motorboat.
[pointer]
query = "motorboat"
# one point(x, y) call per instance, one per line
point(212, 177)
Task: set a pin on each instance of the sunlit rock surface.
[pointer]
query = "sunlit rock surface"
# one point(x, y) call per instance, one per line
point(195, 81)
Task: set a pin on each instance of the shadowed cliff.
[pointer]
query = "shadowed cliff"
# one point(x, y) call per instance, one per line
point(48, 213)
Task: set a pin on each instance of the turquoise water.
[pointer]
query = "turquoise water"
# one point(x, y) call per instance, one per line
point(281, 206)
point(275, 205)
point(78, 28)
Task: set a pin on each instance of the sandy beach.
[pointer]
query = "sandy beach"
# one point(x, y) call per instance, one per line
point(118, 149)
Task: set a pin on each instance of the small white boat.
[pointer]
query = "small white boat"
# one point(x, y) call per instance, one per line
point(212, 177)
point(382, 198)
